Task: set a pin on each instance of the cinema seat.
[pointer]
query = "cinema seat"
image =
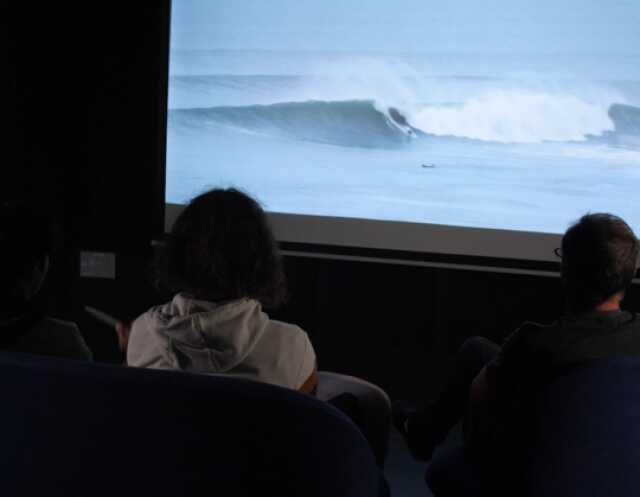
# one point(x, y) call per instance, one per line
point(587, 436)
point(582, 440)
point(77, 429)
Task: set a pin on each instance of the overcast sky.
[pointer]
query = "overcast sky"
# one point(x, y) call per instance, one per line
point(583, 26)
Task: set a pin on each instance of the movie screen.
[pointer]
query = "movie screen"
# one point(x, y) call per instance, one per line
point(507, 114)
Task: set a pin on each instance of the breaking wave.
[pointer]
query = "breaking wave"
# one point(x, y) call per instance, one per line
point(347, 123)
point(499, 117)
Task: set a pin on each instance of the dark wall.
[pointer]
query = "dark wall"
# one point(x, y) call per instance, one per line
point(85, 131)
point(82, 141)
point(85, 93)
point(44, 132)
point(126, 126)
point(125, 161)
point(400, 325)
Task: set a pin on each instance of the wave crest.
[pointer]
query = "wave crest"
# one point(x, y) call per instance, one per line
point(497, 117)
point(626, 119)
point(516, 117)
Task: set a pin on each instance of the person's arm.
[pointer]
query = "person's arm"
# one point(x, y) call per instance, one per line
point(311, 384)
point(481, 422)
point(308, 366)
point(123, 330)
point(481, 398)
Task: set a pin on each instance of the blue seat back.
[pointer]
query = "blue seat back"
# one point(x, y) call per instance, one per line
point(72, 429)
point(577, 436)
point(586, 432)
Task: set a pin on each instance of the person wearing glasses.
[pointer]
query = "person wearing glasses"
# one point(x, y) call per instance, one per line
point(599, 257)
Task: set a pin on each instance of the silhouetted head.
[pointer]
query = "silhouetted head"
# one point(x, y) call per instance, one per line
point(25, 246)
point(599, 260)
point(221, 248)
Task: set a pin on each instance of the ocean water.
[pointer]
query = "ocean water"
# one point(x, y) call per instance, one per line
point(508, 141)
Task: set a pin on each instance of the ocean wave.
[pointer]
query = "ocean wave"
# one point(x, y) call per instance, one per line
point(497, 118)
point(354, 123)
point(517, 117)
point(626, 119)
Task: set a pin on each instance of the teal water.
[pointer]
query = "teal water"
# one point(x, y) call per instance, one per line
point(499, 141)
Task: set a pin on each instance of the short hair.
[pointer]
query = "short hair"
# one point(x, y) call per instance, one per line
point(221, 248)
point(26, 237)
point(599, 259)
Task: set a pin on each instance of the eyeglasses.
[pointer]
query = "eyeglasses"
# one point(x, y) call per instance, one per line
point(558, 252)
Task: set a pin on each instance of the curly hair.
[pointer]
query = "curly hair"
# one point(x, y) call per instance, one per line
point(599, 259)
point(221, 248)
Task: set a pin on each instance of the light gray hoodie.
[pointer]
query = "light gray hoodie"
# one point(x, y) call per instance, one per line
point(233, 338)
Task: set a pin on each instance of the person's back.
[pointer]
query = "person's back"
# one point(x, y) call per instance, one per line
point(491, 385)
point(25, 246)
point(573, 339)
point(222, 265)
point(599, 261)
point(234, 338)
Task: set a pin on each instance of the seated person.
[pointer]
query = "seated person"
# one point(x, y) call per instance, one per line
point(222, 263)
point(599, 260)
point(25, 246)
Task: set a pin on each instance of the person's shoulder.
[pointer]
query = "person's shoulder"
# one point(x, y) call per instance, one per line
point(631, 319)
point(527, 330)
point(599, 322)
point(53, 336)
point(533, 327)
point(286, 329)
point(141, 322)
point(627, 324)
point(150, 319)
point(56, 327)
point(147, 331)
point(289, 333)
point(295, 343)
point(521, 343)
point(532, 332)
point(59, 323)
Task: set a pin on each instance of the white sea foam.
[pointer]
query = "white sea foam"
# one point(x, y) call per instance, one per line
point(517, 110)
point(517, 117)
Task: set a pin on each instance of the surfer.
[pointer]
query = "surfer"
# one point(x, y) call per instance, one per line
point(428, 166)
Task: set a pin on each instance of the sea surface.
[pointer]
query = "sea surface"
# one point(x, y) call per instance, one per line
point(507, 141)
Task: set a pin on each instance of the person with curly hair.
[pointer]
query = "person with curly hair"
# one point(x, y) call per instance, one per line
point(222, 264)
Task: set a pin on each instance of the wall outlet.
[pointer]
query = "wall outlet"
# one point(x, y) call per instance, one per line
point(98, 265)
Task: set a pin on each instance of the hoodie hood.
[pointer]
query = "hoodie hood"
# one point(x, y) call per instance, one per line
point(207, 336)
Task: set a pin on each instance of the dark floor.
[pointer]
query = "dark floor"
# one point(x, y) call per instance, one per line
point(406, 475)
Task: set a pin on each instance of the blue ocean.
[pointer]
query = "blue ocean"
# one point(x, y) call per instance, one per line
point(507, 141)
